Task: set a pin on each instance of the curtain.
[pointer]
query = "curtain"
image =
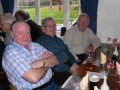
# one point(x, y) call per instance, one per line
point(90, 7)
point(7, 5)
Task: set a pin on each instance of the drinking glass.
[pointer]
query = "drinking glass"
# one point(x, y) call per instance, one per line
point(94, 81)
point(89, 65)
point(103, 68)
point(89, 62)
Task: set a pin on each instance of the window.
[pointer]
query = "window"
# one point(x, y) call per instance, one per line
point(29, 6)
point(53, 8)
point(74, 10)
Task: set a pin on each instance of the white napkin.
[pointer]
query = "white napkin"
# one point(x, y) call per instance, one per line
point(103, 58)
point(84, 83)
point(96, 88)
point(118, 67)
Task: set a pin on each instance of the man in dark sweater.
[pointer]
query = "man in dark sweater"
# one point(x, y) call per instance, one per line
point(67, 62)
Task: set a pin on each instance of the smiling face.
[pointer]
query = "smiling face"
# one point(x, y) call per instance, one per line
point(6, 20)
point(5, 27)
point(83, 22)
point(50, 28)
point(21, 33)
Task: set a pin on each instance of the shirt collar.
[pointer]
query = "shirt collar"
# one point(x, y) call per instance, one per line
point(16, 44)
point(27, 20)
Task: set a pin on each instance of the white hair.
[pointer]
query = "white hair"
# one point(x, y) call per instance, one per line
point(7, 18)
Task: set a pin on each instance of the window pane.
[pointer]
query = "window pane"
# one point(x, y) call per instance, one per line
point(53, 8)
point(29, 6)
point(73, 10)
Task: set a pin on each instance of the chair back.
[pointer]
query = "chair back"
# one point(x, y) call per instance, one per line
point(4, 83)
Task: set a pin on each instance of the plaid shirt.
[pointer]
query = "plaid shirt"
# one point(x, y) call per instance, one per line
point(17, 60)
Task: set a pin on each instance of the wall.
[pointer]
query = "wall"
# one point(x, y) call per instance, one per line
point(108, 24)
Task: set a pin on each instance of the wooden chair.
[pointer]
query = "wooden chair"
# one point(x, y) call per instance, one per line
point(4, 83)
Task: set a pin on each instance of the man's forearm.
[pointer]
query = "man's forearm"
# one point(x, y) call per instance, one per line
point(51, 61)
point(33, 75)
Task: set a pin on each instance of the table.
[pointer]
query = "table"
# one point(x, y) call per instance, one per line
point(72, 83)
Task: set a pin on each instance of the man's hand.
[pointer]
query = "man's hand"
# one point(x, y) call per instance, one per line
point(74, 69)
point(89, 49)
point(46, 54)
point(38, 64)
point(50, 60)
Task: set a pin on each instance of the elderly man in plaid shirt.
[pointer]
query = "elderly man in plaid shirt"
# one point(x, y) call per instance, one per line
point(27, 64)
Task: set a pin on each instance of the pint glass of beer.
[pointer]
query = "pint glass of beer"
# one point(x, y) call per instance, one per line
point(94, 81)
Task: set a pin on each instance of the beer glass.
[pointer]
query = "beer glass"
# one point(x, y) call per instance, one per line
point(93, 81)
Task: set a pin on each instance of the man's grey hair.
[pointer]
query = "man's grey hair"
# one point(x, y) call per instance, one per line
point(83, 14)
point(46, 19)
point(7, 18)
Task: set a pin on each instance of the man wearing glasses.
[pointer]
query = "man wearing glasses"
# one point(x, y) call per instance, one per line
point(56, 45)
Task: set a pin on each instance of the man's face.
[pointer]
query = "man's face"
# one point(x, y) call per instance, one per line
point(5, 27)
point(82, 23)
point(50, 28)
point(21, 34)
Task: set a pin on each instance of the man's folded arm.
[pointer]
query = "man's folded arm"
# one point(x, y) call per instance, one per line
point(49, 62)
point(33, 75)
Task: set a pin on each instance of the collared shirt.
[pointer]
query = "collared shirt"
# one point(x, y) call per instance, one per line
point(17, 60)
point(77, 41)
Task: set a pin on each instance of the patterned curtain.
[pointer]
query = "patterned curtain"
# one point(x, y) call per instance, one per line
point(8, 6)
point(90, 7)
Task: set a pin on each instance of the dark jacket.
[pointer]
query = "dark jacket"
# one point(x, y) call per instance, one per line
point(35, 30)
point(61, 51)
point(2, 47)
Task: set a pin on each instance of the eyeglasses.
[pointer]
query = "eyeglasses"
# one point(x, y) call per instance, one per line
point(51, 26)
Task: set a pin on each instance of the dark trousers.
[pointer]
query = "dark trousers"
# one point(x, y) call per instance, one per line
point(60, 77)
point(82, 57)
point(48, 86)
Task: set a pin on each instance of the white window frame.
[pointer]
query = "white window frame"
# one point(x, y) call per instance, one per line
point(38, 16)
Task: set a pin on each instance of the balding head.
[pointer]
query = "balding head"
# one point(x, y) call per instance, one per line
point(18, 24)
point(82, 22)
point(20, 32)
